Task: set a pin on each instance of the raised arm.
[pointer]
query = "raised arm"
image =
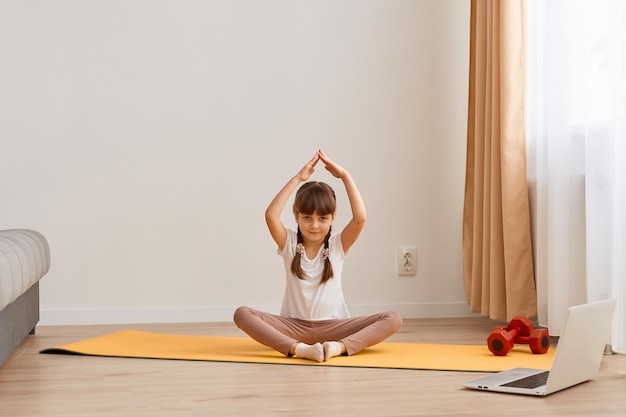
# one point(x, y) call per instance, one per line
point(354, 227)
point(272, 213)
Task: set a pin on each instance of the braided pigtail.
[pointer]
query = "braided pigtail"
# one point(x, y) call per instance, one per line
point(328, 267)
point(313, 197)
point(296, 268)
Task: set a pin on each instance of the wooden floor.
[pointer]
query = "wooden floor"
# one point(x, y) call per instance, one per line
point(32, 384)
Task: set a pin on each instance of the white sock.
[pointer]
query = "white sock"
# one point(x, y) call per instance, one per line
point(313, 352)
point(331, 349)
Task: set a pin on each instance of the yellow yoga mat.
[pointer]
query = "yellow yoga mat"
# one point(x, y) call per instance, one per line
point(138, 344)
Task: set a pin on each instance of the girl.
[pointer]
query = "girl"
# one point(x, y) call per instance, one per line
point(314, 322)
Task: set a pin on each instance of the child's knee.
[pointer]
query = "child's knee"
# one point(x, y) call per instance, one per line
point(240, 314)
point(396, 319)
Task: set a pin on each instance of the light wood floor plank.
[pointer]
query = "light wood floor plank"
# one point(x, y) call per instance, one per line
point(32, 384)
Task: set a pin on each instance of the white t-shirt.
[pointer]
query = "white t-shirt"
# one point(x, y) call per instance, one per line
point(307, 298)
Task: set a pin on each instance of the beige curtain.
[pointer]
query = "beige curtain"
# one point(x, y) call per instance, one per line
point(497, 249)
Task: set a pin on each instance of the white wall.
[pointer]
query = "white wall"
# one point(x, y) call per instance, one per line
point(146, 138)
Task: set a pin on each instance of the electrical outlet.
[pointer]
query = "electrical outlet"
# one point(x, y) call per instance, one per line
point(407, 261)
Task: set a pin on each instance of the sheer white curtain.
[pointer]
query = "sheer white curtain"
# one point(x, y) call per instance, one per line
point(577, 155)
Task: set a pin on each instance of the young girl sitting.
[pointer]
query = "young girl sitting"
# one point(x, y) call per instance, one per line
point(314, 322)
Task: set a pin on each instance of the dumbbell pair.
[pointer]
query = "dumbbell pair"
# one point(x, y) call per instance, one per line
point(520, 330)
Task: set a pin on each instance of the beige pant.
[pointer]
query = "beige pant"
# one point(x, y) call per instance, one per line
point(280, 333)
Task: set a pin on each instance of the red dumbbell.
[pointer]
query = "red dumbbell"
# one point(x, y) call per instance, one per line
point(520, 330)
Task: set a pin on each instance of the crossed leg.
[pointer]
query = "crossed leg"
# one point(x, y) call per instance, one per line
point(314, 339)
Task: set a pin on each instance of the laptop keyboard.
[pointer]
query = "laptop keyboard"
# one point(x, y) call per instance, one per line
point(532, 381)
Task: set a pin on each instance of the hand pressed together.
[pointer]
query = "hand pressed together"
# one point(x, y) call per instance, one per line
point(307, 170)
point(333, 168)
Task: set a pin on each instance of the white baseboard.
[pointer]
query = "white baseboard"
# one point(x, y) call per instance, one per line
point(225, 313)
point(417, 310)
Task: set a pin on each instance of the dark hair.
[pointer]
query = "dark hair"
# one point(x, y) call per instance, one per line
point(314, 197)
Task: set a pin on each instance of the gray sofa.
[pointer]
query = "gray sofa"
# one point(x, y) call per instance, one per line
point(24, 260)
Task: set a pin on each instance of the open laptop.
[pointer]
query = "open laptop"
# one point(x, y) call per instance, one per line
point(577, 358)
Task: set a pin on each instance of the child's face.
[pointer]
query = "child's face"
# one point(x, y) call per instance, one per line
point(314, 227)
